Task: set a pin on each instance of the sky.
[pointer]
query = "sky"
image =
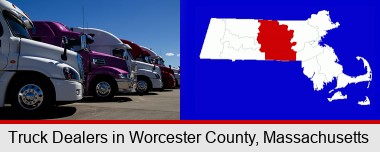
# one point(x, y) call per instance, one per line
point(151, 23)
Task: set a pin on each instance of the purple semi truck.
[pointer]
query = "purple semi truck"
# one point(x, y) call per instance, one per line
point(104, 74)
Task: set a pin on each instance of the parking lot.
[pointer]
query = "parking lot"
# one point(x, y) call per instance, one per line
point(157, 105)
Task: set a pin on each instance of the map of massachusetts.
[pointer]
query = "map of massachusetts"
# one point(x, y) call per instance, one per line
point(285, 41)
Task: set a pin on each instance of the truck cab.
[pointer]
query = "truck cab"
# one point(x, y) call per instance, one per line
point(158, 60)
point(105, 75)
point(148, 75)
point(141, 55)
point(34, 75)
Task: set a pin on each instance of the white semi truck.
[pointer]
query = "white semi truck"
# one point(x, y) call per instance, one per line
point(33, 75)
point(148, 75)
point(157, 59)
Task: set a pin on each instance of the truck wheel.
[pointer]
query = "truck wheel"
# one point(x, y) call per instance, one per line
point(103, 89)
point(143, 86)
point(31, 95)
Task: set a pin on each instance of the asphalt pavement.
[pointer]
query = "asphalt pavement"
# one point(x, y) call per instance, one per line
point(157, 105)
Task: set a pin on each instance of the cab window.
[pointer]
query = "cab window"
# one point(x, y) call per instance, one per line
point(118, 53)
point(16, 25)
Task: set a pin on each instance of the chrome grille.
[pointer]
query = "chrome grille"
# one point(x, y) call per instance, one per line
point(98, 61)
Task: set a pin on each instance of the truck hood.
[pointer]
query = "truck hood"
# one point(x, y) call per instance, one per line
point(111, 61)
point(147, 66)
point(166, 69)
point(43, 50)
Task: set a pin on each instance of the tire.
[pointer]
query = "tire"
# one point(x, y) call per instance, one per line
point(32, 95)
point(103, 89)
point(143, 85)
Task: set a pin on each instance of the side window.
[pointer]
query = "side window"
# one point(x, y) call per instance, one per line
point(16, 25)
point(118, 53)
point(154, 61)
point(147, 59)
point(140, 59)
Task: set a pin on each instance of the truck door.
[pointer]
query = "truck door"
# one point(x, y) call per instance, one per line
point(3, 52)
point(14, 29)
point(131, 65)
point(123, 53)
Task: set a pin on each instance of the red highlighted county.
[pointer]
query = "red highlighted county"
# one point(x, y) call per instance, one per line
point(275, 41)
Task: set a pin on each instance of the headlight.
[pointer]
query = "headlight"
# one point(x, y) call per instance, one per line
point(70, 74)
point(125, 76)
point(171, 75)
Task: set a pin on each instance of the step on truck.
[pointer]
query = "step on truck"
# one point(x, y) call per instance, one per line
point(105, 75)
point(158, 60)
point(148, 75)
point(141, 55)
point(34, 75)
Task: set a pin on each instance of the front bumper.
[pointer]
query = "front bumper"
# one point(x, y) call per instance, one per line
point(156, 83)
point(66, 90)
point(178, 78)
point(169, 80)
point(126, 85)
point(178, 81)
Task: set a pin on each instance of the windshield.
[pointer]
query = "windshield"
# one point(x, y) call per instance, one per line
point(143, 59)
point(158, 61)
point(147, 59)
point(161, 62)
point(16, 25)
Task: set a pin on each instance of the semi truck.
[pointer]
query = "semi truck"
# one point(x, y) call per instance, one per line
point(34, 75)
point(105, 75)
point(158, 60)
point(140, 54)
point(148, 75)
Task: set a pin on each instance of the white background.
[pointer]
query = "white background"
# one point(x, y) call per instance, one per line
point(372, 130)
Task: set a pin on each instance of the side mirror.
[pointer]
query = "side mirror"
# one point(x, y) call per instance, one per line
point(65, 41)
point(83, 42)
point(27, 23)
point(154, 67)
